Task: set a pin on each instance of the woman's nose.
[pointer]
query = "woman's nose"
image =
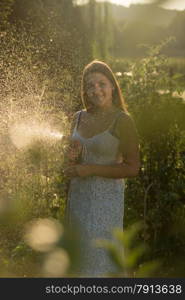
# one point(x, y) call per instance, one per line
point(97, 88)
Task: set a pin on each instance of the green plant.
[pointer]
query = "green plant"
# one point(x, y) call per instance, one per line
point(126, 253)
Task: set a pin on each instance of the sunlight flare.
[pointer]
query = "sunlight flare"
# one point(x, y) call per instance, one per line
point(43, 234)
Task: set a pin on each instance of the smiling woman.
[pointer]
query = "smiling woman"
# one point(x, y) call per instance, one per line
point(99, 90)
point(107, 142)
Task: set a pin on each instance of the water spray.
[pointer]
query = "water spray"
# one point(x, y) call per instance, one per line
point(24, 134)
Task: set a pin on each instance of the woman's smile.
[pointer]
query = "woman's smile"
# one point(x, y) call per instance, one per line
point(99, 90)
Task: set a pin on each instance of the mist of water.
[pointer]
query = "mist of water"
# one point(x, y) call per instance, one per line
point(23, 134)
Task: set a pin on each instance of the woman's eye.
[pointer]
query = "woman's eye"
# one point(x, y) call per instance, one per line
point(89, 87)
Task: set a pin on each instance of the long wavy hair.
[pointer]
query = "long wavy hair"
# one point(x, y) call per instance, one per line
point(100, 67)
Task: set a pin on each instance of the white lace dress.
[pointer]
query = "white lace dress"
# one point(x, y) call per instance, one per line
point(96, 204)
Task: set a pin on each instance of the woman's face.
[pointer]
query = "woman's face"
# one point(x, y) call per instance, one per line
point(99, 90)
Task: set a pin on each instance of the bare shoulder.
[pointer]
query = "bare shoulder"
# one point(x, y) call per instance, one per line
point(77, 114)
point(125, 122)
point(125, 130)
point(127, 133)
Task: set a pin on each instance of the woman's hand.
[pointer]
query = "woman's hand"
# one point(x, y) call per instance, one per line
point(74, 151)
point(71, 171)
point(78, 170)
point(84, 170)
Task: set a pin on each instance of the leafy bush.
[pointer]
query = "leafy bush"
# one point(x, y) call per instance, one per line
point(158, 194)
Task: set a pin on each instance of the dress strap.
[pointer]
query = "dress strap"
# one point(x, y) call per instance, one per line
point(78, 120)
point(114, 123)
